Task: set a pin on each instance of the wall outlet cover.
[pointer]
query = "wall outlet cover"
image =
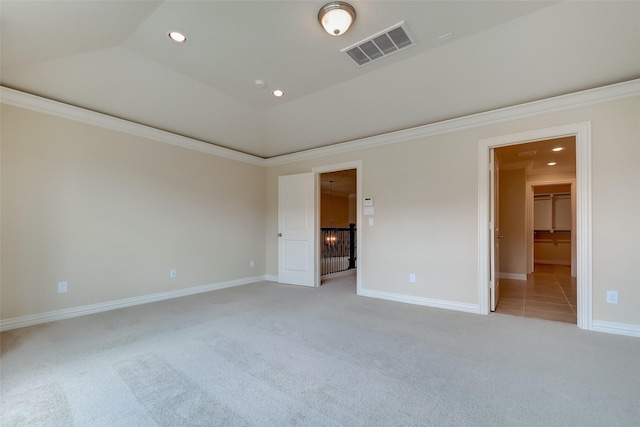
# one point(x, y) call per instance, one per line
point(62, 287)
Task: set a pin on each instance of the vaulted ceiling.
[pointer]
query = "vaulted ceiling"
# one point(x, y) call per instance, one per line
point(114, 57)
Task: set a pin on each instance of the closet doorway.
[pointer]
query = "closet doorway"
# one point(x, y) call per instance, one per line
point(537, 224)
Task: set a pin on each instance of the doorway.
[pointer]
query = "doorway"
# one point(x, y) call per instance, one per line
point(338, 225)
point(580, 133)
point(338, 213)
point(535, 195)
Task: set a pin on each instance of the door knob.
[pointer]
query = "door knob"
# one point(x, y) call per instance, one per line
point(279, 234)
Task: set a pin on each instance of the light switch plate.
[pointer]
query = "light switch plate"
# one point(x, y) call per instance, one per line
point(62, 287)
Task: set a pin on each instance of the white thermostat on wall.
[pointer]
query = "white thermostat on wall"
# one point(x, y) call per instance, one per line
point(368, 201)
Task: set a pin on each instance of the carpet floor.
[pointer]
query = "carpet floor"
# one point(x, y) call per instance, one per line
point(266, 354)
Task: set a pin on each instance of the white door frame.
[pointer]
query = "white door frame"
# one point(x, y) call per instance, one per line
point(357, 165)
point(582, 133)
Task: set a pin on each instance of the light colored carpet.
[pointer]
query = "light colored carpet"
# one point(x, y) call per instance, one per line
point(273, 355)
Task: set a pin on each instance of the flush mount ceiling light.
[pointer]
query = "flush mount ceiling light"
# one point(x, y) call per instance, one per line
point(558, 149)
point(336, 17)
point(551, 163)
point(278, 93)
point(177, 37)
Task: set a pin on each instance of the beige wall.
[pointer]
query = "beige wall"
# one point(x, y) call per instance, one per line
point(112, 213)
point(426, 204)
point(513, 249)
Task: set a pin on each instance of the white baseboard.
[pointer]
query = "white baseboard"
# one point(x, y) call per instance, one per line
point(271, 278)
point(512, 276)
point(67, 313)
point(616, 328)
point(551, 262)
point(429, 302)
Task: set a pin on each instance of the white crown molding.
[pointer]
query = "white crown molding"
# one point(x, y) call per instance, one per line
point(574, 100)
point(67, 313)
point(428, 302)
point(59, 109)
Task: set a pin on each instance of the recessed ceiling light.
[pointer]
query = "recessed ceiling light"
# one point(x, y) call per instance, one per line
point(177, 37)
point(551, 163)
point(278, 93)
point(558, 149)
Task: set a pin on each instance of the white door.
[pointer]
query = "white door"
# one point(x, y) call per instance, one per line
point(494, 225)
point(296, 230)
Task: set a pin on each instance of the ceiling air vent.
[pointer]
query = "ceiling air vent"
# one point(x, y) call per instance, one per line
point(383, 44)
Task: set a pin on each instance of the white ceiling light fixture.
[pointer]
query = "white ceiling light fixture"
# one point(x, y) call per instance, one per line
point(177, 37)
point(278, 93)
point(558, 149)
point(336, 17)
point(551, 163)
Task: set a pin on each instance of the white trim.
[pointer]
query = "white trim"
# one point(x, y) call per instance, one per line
point(357, 165)
point(70, 112)
point(428, 302)
point(512, 276)
point(582, 133)
point(67, 313)
point(545, 106)
point(616, 328)
point(602, 94)
point(271, 278)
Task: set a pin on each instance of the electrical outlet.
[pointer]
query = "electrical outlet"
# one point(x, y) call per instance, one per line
point(62, 287)
point(612, 297)
point(412, 278)
point(252, 264)
point(173, 273)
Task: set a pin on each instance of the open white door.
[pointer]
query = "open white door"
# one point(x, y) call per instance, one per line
point(296, 230)
point(494, 226)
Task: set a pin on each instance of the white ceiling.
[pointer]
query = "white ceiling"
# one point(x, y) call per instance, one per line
point(114, 57)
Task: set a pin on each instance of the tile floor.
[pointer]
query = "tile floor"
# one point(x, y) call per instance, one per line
point(548, 293)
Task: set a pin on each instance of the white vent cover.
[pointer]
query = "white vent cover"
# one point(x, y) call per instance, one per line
point(380, 45)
